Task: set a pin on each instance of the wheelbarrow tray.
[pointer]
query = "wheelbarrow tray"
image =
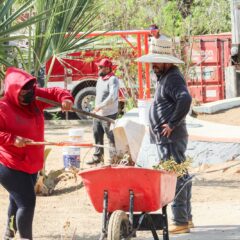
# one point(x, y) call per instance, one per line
point(153, 189)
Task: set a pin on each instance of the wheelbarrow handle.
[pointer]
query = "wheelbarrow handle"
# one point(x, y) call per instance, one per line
point(57, 104)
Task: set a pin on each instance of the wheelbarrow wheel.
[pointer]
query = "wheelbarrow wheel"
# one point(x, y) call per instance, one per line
point(118, 226)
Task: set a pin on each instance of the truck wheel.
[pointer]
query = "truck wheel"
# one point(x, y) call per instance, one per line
point(85, 100)
point(118, 226)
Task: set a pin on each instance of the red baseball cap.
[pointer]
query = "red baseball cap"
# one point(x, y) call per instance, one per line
point(105, 62)
point(153, 27)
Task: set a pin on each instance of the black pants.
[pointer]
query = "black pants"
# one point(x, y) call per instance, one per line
point(99, 128)
point(22, 198)
point(181, 206)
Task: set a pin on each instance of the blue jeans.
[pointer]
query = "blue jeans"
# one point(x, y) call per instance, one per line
point(20, 186)
point(181, 206)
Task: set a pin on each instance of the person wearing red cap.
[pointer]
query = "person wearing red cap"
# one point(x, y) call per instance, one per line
point(155, 33)
point(21, 122)
point(106, 104)
point(156, 38)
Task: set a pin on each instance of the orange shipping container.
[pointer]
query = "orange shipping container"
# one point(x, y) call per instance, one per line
point(209, 55)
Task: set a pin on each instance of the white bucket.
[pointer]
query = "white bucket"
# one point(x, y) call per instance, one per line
point(71, 157)
point(71, 154)
point(143, 110)
point(76, 134)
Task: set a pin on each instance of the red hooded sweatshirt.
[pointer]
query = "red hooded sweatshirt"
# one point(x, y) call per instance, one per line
point(25, 121)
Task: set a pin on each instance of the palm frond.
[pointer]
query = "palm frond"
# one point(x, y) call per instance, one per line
point(62, 28)
point(10, 25)
point(22, 25)
point(14, 15)
point(4, 39)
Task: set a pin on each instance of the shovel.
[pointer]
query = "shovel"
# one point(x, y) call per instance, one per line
point(73, 109)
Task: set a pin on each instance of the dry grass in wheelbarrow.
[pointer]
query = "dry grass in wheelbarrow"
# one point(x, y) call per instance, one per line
point(46, 183)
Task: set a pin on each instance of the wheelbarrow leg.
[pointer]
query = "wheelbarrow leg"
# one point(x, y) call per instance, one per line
point(105, 216)
point(152, 226)
point(132, 231)
point(165, 223)
point(131, 204)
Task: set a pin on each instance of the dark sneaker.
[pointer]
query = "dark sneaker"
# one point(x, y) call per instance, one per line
point(9, 234)
point(95, 160)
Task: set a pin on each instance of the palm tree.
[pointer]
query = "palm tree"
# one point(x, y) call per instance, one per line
point(9, 25)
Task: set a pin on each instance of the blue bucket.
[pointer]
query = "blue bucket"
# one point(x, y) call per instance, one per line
point(71, 157)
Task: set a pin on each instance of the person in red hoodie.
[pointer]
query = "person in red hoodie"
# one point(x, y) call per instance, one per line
point(22, 121)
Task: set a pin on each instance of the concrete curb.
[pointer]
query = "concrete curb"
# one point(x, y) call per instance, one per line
point(57, 124)
point(217, 106)
point(213, 139)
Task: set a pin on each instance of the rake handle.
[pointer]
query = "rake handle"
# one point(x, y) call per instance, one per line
point(62, 144)
point(56, 104)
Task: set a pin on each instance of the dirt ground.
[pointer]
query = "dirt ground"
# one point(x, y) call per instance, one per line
point(69, 214)
point(230, 117)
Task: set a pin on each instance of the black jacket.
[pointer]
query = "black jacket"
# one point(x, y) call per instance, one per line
point(171, 104)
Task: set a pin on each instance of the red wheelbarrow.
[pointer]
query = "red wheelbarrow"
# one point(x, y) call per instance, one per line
point(126, 196)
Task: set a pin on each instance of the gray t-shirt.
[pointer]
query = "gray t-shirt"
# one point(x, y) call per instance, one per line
point(107, 96)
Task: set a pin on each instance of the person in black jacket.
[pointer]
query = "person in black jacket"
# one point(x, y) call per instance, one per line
point(168, 130)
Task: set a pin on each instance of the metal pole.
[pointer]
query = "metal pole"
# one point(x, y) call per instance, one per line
point(148, 84)
point(235, 17)
point(140, 82)
point(203, 89)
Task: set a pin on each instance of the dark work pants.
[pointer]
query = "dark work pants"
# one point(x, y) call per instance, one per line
point(181, 206)
point(99, 128)
point(22, 198)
